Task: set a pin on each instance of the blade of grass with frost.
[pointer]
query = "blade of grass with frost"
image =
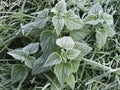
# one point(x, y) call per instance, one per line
point(91, 62)
point(97, 78)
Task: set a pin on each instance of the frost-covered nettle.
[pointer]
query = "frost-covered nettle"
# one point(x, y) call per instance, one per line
point(103, 23)
point(63, 46)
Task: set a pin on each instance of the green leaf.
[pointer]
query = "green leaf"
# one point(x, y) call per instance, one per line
point(83, 47)
point(30, 29)
point(61, 71)
point(18, 73)
point(31, 48)
point(70, 80)
point(40, 22)
point(55, 86)
point(30, 61)
point(48, 43)
point(65, 42)
point(108, 18)
point(101, 36)
point(79, 35)
point(60, 7)
point(72, 53)
point(96, 9)
point(110, 30)
point(38, 66)
point(75, 65)
point(91, 19)
point(72, 21)
point(17, 54)
point(42, 19)
point(58, 23)
point(53, 59)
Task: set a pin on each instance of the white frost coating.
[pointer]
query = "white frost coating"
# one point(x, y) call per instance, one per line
point(65, 42)
point(60, 8)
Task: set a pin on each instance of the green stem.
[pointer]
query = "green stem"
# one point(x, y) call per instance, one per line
point(20, 84)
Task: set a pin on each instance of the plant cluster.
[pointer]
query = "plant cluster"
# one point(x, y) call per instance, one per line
point(68, 44)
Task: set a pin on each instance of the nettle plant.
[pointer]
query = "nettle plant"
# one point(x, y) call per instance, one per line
point(62, 47)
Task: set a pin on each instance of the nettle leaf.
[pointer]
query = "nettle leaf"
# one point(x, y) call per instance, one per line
point(55, 86)
point(110, 30)
point(42, 16)
point(27, 28)
point(72, 21)
point(83, 47)
point(58, 23)
point(40, 22)
point(65, 42)
point(17, 54)
point(75, 65)
point(38, 66)
point(31, 48)
point(72, 53)
point(96, 9)
point(30, 29)
point(18, 73)
point(53, 59)
point(79, 35)
point(48, 42)
point(108, 18)
point(101, 36)
point(91, 19)
point(60, 8)
point(70, 80)
point(61, 71)
point(30, 61)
